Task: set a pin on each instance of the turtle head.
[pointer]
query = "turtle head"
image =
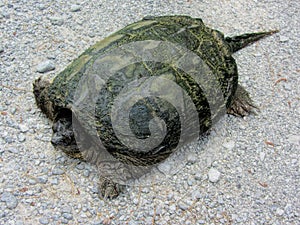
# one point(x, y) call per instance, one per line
point(63, 136)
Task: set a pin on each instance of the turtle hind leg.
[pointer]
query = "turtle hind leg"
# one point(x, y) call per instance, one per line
point(108, 189)
point(242, 105)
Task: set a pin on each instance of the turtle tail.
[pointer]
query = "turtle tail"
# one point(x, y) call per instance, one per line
point(238, 42)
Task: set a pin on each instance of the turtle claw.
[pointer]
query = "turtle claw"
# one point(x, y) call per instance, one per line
point(242, 105)
point(109, 189)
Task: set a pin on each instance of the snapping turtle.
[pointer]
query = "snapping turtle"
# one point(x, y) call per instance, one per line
point(217, 72)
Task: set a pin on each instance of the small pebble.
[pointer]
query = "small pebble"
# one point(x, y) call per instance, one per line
point(13, 111)
point(294, 139)
point(197, 177)
point(213, 175)
point(57, 21)
point(192, 158)
point(145, 190)
point(9, 140)
point(229, 145)
point(42, 156)
point(183, 205)
point(32, 181)
point(51, 57)
point(149, 220)
point(94, 189)
point(41, 6)
point(10, 200)
point(239, 170)
point(190, 181)
point(64, 221)
point(67, 209)
point(42, 179)
point(170, 196)
point(57, 171)
point(209, 161)
point(220, 200)
point(6, 15)
point(135, 201)
point(91, 34)
point(80, 166)
point(1, 49)
point(165, 168)
point(196, 194)
point(172, 208)
point(75, 8)
point(294, 161)
point(283, 38)
point(2, 214)
point(158, 210)
point(43, 220)
point(45, 66)
point(262, 156)
point(13, 150)
point(19, 222)
point(21, 138)
point(279, 212)
point(30, 193)
point(67, 216)
point(86, 173)
point(23, 128)
point(54, 181)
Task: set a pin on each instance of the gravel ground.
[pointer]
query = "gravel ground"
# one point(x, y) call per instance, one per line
point(245, 172)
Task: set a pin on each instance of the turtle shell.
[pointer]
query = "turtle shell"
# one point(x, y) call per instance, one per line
point(191, 33)
point(188, 33)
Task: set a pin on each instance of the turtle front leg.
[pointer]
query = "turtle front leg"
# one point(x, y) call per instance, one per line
point(242, 105)
point(109, 189)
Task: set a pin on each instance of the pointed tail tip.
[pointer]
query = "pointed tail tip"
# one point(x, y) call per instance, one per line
point(238, 42)
point(267, 33)
point(274, 31)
